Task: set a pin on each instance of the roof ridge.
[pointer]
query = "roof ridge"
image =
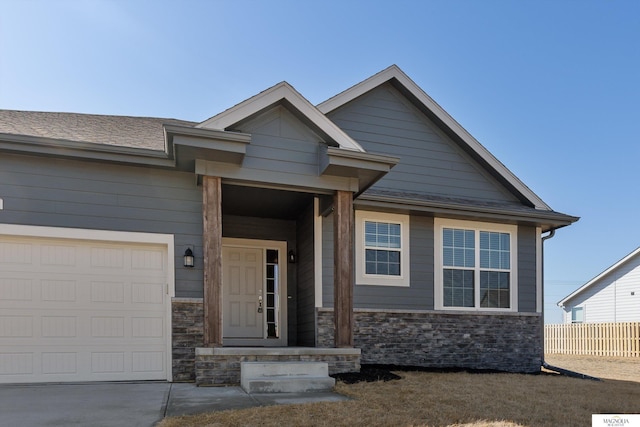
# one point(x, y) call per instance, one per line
point(243, 101)
point(92, 115)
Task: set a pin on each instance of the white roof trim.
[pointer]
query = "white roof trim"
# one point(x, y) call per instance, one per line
point(598, 277)
point(272, 96)
point(394, 72)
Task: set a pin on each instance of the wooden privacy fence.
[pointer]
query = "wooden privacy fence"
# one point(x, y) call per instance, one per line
point(594, 339)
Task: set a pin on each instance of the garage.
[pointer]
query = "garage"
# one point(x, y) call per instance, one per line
point(74, 309)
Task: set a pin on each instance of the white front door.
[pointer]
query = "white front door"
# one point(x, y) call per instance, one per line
point(242, 293)
point(254, 292)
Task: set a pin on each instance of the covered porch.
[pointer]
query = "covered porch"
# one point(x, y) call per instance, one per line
point(271, 168)
point(261, 287)
point(262, 267)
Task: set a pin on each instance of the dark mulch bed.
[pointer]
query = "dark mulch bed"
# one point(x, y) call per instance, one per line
point(368, 373)
point(371, 373)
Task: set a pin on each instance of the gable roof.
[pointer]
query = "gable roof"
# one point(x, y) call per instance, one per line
point(593, 281)
point(175, 143)
point(427, 105)
point(283, 94)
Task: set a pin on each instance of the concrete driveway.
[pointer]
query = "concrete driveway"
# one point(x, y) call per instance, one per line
point(141, 404)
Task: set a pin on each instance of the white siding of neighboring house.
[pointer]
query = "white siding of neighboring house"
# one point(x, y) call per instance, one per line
point(610, 299)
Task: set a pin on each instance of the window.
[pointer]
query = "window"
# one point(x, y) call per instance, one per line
point(475, 265)
point(382, 249)
point(577, 315)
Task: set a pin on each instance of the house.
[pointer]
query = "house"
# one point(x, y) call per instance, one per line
point(371, 228)
point(611, 296)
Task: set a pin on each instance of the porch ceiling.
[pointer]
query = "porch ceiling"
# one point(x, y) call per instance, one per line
point(263, 202)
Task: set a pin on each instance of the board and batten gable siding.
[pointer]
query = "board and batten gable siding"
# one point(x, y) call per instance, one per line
point(280, 144)
point(87, 195)
point(417, 296)
point(384, 121)
point(610, 299)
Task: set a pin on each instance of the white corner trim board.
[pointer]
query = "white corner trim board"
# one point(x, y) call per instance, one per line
point(1, 204)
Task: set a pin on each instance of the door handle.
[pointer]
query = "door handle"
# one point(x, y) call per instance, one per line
point(260, 304)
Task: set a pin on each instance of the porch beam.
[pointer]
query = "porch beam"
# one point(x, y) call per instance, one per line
point(212, 255)
point(343, 268)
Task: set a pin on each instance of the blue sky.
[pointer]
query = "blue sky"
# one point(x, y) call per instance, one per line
point(551, 88)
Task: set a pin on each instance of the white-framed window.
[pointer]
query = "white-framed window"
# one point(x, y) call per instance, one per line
point(577, 315)
point(382, 249)
point(475, 266)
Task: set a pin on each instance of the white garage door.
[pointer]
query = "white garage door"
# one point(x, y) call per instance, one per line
point(74, 310)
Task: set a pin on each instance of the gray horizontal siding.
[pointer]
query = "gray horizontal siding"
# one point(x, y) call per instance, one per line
point(418, 296)
point(527, 269)
point(306, 279)
point(383, 121)
point(65, 193)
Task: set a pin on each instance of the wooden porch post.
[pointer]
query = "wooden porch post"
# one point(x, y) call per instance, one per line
point(212, 254)
point(343, 268)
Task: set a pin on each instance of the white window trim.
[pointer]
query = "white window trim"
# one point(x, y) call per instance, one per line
point(439, 225)
point(375, 279)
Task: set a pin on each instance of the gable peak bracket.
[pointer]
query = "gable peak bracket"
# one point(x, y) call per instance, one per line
point(188, 144)
point(367, 168)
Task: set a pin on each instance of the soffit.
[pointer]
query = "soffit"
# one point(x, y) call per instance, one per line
point(466, 208)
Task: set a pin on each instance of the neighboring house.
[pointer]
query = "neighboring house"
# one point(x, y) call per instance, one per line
point(611, 296)
point(371, 228)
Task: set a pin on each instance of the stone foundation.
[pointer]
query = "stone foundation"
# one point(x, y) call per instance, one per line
point(187, 315)
point(221, 365)
point(506, 342)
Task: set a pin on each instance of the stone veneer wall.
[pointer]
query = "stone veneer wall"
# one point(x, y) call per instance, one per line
point(187, 316)
point(507, 342)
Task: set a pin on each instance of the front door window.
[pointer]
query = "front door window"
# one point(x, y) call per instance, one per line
point(272, 293)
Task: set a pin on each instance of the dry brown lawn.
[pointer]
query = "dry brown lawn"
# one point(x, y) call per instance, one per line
point(458, 399)
point(613, 368)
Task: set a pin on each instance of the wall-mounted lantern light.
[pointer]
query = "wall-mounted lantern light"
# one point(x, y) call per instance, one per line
point(292, 257)
point(188, 258)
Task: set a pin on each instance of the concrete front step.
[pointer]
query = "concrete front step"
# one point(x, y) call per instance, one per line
point(285, 377)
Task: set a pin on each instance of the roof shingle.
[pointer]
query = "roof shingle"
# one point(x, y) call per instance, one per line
point(124, 131)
